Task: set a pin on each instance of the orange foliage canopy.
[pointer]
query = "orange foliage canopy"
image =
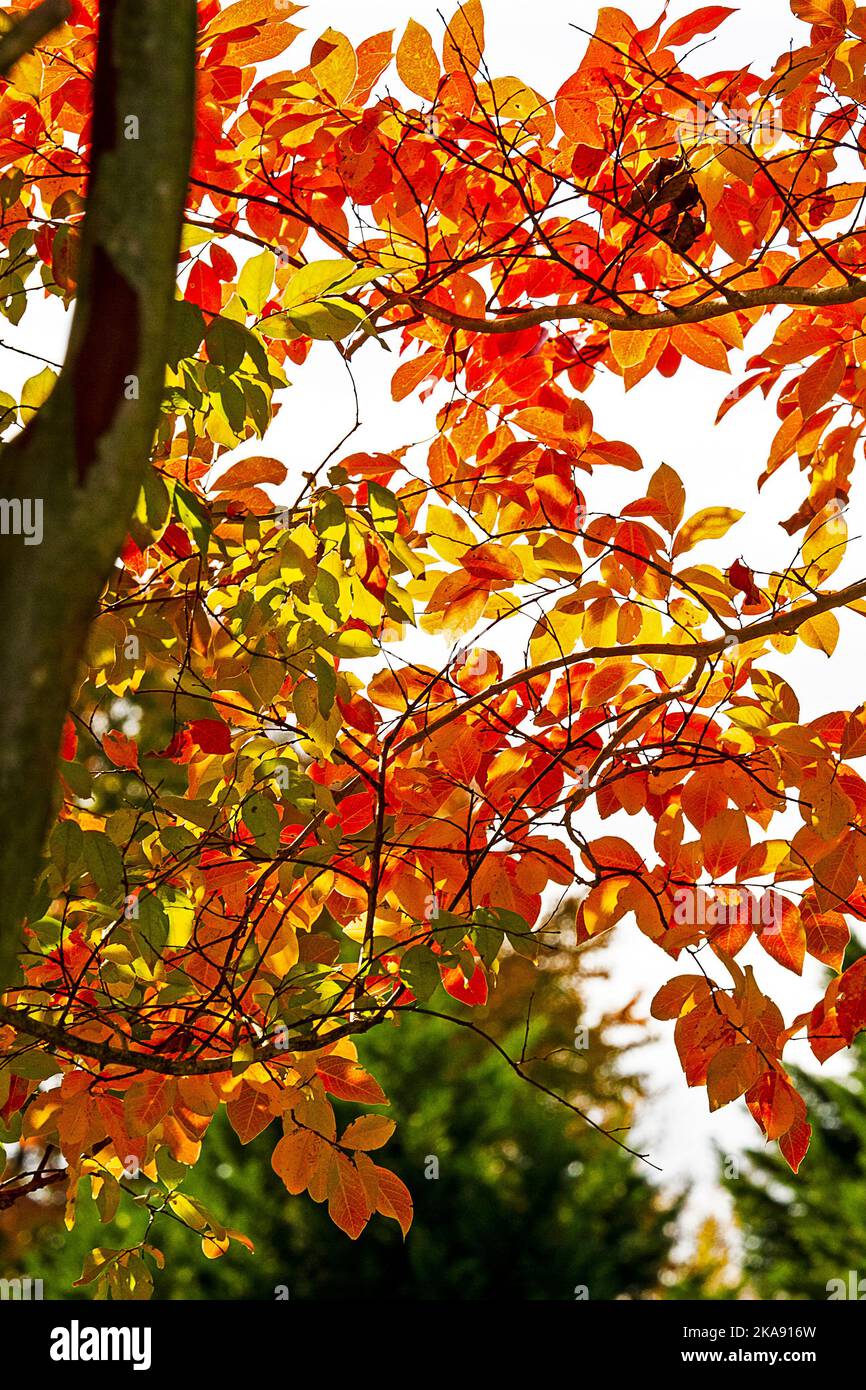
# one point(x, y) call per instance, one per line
point(276, 828)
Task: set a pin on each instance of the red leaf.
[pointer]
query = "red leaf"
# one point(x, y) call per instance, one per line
point(741, 577)
point(175, 542)
point(69, 740)
point(211, 735)
point(223, 263)
point(180, 748)
point(472, 991)
point(203, 288)
point(794, 1144)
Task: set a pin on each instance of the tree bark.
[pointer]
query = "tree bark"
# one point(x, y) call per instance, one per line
point(86, 452)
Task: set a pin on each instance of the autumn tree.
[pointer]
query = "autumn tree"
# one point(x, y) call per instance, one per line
point(277, 826)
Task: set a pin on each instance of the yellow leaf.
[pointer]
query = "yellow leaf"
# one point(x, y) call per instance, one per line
point(464, 39)
point(335, 65)
point(821, 633)
point(35, 391)
point(708, 524)
point(255, 281)
point(417, 64)
point(826, 537)
point(600, 623)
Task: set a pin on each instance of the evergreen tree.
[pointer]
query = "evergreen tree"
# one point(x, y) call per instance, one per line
point(799, 1233)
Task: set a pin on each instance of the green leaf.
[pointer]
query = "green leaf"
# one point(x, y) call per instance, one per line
point(262, 821)
point(152, 509)
point(108, 1199)
point(177, 839)
point(150, 927)
point(186, 332)
point(33, 1065)
point(331, 514)
point(66, 847)
point(193, 516)
point(226, 344)
point(104, 863)
point(419, 969)
point(326, 685)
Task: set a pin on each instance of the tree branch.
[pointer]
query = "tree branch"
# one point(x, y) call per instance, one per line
point(30, 30)
point(701, 311)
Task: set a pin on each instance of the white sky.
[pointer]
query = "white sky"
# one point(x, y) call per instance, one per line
point(668, 420)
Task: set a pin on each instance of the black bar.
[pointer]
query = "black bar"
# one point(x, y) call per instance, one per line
point(243, 1338)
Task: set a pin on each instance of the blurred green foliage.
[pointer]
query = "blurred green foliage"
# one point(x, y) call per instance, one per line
point(529, 1203)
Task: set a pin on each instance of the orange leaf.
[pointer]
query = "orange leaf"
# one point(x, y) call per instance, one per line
point(827, 936)
point(248, 472)
point(609, 852)
point(368, 1132)
point(836, 875)
point(732, 1072)
point(493, 564)
point(699, 22)
point(820, 383)
point(348, 1203)
point(122, 751)
point(146, 1102)
point(672, 998)
point(665, 486)
point(349, 1081)
point(784, 938)
point(773, 1104)
point(296, 1158)
point(249, 1112)
point(394, 1198)
point(725, 840)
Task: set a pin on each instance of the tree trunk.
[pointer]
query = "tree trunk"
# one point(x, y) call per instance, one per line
point(86, 453)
